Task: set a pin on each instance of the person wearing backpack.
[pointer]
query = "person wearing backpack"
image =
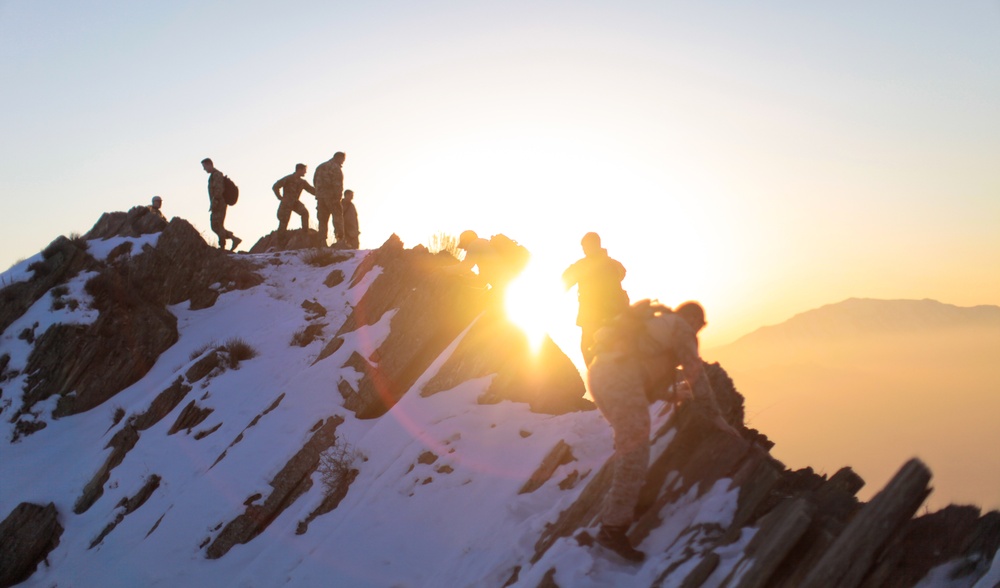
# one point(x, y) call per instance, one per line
point(598, 280)
point(288, 190)
point(217, 204)
point(635, 354)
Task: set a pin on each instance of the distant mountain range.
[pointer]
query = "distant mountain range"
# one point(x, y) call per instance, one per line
point(868, 316)
point(866, 381)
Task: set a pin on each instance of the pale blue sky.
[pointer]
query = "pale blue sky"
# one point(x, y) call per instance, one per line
point(765, 158)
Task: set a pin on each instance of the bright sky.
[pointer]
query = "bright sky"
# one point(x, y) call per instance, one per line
point(763, 159)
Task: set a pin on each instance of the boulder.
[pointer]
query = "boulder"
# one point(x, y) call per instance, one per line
point(545, 378)
point(139, 220)
point(61, 260)
point(432, 307)
point(27, 536)
point(288, 241)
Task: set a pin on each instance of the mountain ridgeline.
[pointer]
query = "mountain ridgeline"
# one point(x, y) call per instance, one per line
point(906, 376)
point(176, 415)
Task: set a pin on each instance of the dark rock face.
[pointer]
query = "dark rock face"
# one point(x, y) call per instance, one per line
point(123, 442)
point(99, 360)
point(27, 535)
point(61, 260)
point(809, 530)
point(547, 380)
point(183, 267)
point(131, 292)
point(138, 221)
point(288, 484)
point(432, 308)
point(288, 241)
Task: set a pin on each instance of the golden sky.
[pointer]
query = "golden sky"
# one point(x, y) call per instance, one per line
point(764, 160)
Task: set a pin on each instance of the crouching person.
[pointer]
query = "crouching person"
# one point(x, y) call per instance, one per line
point(638, 352)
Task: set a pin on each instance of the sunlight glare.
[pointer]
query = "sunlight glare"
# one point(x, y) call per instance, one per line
point(537, 303)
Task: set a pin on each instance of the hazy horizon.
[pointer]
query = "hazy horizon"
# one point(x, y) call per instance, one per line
point(872, 399)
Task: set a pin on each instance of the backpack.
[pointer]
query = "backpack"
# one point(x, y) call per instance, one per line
point(513, 255)
point(628, 332)
point(230, 192)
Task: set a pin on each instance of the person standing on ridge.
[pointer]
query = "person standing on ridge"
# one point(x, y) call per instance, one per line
point(155, 206)
point(598, 280)
point(632, 356)
point(217, 204)
point(288, 190)
point(329, 181)
point(351, 231)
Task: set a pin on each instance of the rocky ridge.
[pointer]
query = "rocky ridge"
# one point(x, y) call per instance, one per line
point(787, 528)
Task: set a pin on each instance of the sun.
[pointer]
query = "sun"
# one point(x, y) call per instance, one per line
point(538, 303)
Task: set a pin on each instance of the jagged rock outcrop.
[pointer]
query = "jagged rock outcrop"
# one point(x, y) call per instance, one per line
point(87, 364)
point(776, 527)
point(288, 484)
point(61, 260)
point(27, 535)
point(129, 505)
point(432, 307)
point(545, 378)
point(809, 530)
point(138, 221)
point(183, 267)
point(288, 241)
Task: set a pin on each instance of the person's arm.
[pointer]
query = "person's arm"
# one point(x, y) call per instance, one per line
point(277, 188)
point(694, 372)
point(571, 276)
point(307, 187)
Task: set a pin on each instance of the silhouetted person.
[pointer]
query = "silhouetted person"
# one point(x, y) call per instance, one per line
point(155, 206)
point(329, 181)
point(217, 204)
point(288, 190)
point(499, 260)
point(351, 231)
point(627, 361)
point(598, 279)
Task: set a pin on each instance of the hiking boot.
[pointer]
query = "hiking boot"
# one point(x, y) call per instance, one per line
point(615, 539)
point(236, 241)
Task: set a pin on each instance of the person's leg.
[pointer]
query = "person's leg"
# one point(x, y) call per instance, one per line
point(617, 390)
point(303, 213)
point(337, 211)
point(284, 213)
point(217, 218)
point(323, 217)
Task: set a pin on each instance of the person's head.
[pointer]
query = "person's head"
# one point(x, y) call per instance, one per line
point(591, 243)
point(157, 202)
point(348, 195)
point(466, 238)
point(207, 165)
point(339, 157)
point(300, 169)
point(693, 314)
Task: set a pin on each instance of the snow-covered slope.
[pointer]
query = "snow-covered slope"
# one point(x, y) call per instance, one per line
point(447, 491)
